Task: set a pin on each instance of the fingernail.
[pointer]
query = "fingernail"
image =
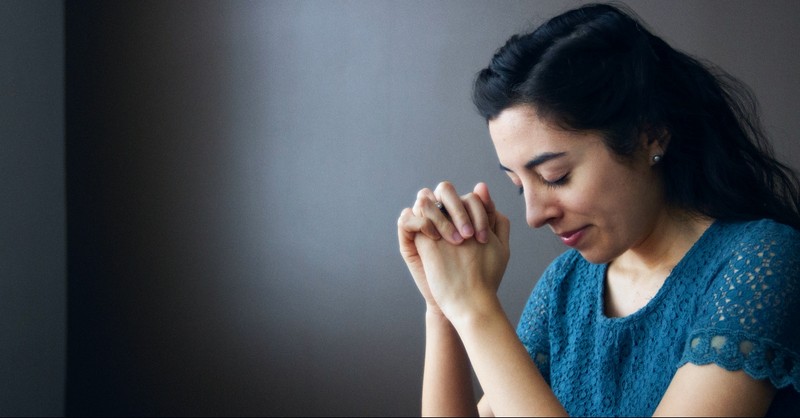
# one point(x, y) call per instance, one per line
point(466, 230)
point(482, 237)
point(457, 237)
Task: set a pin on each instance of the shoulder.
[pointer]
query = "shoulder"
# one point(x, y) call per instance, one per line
point(747, 246)
point(757, 258)
point(761, 248)
point(756, 234)
point(748, 316)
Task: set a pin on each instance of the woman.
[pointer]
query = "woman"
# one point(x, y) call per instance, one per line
point(679, 295)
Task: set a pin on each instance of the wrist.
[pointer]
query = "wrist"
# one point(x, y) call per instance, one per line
point(434, 313)
point(484, 311)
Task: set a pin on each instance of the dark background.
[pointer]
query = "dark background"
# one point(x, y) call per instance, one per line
point(199, 199)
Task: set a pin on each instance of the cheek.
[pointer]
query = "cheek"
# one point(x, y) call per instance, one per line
point(603, 197)
point(586, 198)
point(579, 202)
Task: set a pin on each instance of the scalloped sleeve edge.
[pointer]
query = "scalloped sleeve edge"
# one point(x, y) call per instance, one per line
point(759, 357)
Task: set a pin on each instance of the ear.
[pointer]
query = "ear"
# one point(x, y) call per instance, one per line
point(655, 141)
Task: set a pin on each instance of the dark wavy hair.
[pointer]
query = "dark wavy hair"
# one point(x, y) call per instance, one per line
point(597, 68)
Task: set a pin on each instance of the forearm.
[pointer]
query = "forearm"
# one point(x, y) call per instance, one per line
point(510, 380)
point(447, 380)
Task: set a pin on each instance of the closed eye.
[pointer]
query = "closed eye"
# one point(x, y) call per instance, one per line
point(558, 182)
point(551, 184)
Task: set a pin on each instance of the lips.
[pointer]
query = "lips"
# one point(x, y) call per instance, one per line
point(571, 238)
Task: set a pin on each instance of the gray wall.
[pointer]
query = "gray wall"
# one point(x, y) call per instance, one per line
point(32, 214)
point(234, 172)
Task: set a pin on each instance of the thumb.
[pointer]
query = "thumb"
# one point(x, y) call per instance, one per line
point(503, 229)
point(482, 190)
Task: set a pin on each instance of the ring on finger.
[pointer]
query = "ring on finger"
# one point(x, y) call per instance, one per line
point(442, 209)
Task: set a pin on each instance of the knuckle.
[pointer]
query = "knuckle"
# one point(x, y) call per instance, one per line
point(470, 198)
point(445, 226)
point(445, 186)
point(403, 218)
point(422, 201)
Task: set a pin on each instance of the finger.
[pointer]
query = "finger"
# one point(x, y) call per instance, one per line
point(421, 195)
point(478, 216)
point(482, 190)
point(502, 228)
point(438, 219)
point(425, 207)
point(409, 225)
point(446, 193)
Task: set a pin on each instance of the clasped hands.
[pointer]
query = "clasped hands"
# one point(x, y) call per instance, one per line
point(457, 261)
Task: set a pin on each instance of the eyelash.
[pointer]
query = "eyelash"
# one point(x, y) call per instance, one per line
point(551, 184)
point(557, 183)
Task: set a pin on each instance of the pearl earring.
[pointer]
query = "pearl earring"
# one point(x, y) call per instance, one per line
point(657, 158)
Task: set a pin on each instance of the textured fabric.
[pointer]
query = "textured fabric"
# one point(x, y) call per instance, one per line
point(733, 300)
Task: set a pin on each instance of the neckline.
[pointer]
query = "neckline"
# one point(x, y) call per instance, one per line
point(669, 283)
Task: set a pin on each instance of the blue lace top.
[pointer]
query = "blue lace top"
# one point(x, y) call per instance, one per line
point(733, 300)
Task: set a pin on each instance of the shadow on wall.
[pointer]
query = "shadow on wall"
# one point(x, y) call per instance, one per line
point(234, 173)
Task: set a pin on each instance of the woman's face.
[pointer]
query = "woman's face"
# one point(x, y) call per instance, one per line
point(592, 199)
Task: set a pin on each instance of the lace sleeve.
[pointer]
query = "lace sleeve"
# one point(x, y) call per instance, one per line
point(751, 317)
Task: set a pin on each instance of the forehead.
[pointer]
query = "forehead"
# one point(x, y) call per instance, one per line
point(519, 129)
point(513, 121)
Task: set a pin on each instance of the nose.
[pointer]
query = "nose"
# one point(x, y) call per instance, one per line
point(541, 207)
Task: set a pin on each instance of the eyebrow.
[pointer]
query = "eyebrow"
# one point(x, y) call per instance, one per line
point(538, 160)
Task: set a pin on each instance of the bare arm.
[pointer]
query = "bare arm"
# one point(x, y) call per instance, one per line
point(447, 380)
point(710, 390)
point(458, 279)
point(484, 409)
point(511, 382)
point(463, 279)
